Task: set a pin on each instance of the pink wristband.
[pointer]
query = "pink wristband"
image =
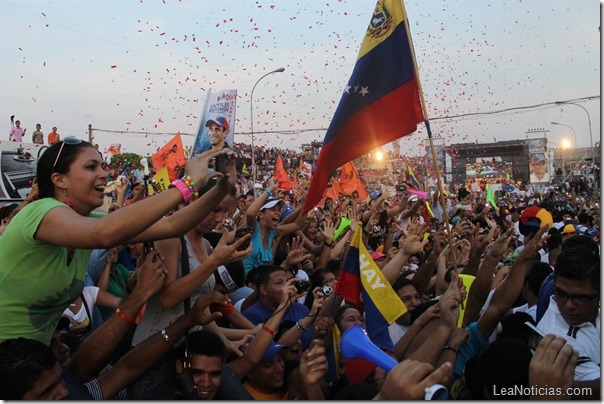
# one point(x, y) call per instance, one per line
point(183, 189)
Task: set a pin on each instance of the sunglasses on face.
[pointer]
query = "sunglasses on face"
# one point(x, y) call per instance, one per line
point(68, 140)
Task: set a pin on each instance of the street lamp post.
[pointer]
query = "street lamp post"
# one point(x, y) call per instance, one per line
point(591, 143)
point(574, 133)
point(565, 146)
point(279, 70)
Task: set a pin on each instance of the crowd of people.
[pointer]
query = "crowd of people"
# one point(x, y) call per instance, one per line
point(217, 289)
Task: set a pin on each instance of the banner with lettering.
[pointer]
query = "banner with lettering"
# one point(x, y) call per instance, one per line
point(362, 283)
point(219, 108)
point(172, 156)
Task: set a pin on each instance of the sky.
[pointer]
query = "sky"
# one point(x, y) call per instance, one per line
point(139, 71)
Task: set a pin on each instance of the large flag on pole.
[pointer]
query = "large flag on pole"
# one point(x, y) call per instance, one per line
point(362, 283)
point(380, 102)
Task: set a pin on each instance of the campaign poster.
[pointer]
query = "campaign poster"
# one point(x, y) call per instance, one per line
point(18, 162)
point(220, 109)
point(538, 164)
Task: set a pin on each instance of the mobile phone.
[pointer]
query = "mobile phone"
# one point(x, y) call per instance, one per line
point(148, 246)
point(535, 336)
point(242, 231)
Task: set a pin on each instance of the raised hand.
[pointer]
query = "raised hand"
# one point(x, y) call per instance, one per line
point(197, 167)
point(553, 366)
point(313, 363)
point(328, 230)
point(289, 292)
point(296, 252)
point(409, 379)
point(321, 326)
point(464, 247)
point(449, 302)
point(532, 244)
point(273, 184)
point(413, 241)
point(499, 246)
point(225, 253)
point(150, 276)
point(439, 241)
point(199, 312)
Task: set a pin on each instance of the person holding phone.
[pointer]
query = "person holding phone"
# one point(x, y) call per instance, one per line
point(573, 311)
point(45, 249)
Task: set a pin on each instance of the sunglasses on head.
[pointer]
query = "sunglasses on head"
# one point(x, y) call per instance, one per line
point(68, 140)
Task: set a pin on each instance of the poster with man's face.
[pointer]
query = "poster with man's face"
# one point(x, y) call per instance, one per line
point(538, 164)
point(216, 127)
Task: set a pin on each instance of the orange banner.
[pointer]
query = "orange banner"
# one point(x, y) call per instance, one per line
point(350, 182)
point(171, 155)
point(280, 173)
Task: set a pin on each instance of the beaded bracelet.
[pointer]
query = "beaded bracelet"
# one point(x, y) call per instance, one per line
point(301, 327)
point(192, 186)
point(124, 317)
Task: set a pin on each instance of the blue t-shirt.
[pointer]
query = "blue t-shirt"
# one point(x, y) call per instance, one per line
point(458, 389)
point(259, 313)
point(259, 255)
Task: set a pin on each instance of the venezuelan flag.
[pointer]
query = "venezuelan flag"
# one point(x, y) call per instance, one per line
point(411, 176)
point(360, 276)
point(380, 102)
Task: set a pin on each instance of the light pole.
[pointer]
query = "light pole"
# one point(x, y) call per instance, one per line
point(279, 70)
point(591, 143)
point(565, 146)
point(574, 133)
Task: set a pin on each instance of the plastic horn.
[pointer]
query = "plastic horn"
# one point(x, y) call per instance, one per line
point(355, 343)
point(344, 223)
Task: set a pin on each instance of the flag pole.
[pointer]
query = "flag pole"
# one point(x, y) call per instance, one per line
point(441, 195)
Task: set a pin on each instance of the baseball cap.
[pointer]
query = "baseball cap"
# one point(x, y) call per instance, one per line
point(272, 350)
point(220, 121)
point(532, 218)
point(270, 202)
point(569, 228)
point(286, 210)
point(376, 255)
point(537, 158)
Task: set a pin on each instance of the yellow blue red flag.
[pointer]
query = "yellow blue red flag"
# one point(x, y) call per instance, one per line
point(362, 283)
point(380, 102)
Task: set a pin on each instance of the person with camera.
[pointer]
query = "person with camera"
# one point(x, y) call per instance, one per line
point(270, 293)
point(190, 262)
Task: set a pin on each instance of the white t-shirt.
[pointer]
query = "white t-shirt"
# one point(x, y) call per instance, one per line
point(532, 311)
point(80, 320)
point(584, 338)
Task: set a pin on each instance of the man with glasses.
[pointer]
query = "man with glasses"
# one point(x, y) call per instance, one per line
point(573, 311)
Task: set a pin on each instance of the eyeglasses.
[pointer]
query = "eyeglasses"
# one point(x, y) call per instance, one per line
point(70, 141)
point(562, 297)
